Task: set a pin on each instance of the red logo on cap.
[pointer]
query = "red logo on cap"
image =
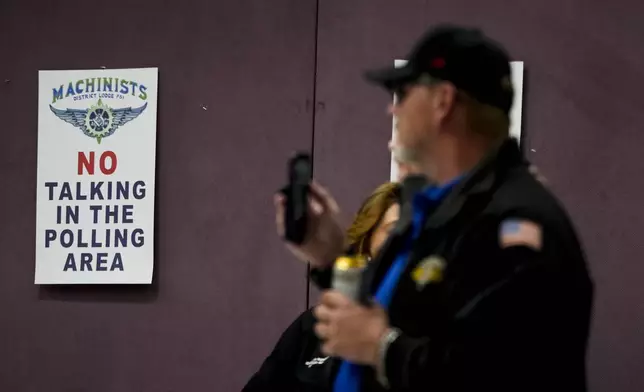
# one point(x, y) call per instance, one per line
point(438, 62)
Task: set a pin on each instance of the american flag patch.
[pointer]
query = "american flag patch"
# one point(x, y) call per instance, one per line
point(518, 232)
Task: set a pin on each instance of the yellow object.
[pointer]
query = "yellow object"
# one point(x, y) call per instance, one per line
point(345, 263)
point(428, 270)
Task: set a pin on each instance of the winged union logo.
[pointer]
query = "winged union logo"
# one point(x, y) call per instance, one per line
point(100, 120)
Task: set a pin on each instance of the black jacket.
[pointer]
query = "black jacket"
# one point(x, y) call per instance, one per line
point(502, 318)
point(296, 363)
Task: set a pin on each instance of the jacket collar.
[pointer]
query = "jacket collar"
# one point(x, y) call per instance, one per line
point(480, 181)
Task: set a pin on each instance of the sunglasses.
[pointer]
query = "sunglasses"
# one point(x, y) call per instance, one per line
point(401, 91)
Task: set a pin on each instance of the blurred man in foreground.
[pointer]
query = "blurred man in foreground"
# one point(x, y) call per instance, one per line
point(484, 285)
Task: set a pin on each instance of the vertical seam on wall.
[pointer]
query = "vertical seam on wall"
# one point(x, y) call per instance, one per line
point(313, 114)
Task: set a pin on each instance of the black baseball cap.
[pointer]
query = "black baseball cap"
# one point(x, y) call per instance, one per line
point(465, 57)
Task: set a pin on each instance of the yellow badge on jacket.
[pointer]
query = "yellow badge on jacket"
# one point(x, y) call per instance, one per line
point(429, 270)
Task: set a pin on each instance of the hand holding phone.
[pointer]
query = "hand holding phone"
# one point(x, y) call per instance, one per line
point(297, 198)
point(308, 217)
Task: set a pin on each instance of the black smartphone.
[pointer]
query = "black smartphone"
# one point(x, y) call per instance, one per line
point(297, 198)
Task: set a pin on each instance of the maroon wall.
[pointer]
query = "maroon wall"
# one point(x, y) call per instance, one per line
point(234, 80)
point(236, 97)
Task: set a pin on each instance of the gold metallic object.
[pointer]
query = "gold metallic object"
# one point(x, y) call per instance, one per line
point(345, 263)
point(347, 275)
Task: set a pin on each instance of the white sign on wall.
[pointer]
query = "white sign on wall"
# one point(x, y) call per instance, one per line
point(515, 112)
point(96, 168)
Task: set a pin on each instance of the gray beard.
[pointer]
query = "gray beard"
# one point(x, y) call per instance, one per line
point(404, 155)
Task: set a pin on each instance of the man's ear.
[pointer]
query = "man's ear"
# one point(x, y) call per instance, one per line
point(444, 99)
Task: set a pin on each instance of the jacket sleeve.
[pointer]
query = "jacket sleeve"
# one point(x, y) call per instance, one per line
point(520, 330)
point(277, 372)
point(322, 277)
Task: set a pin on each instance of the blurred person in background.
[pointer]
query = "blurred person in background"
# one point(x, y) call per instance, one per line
point(296, 363)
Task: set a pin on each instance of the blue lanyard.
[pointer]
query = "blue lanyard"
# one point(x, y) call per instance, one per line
point(349, 375)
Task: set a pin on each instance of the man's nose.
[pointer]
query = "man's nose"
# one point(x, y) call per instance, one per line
point(391, 109)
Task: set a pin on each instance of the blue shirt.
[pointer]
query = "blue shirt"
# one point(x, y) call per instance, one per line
point(348, 378)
